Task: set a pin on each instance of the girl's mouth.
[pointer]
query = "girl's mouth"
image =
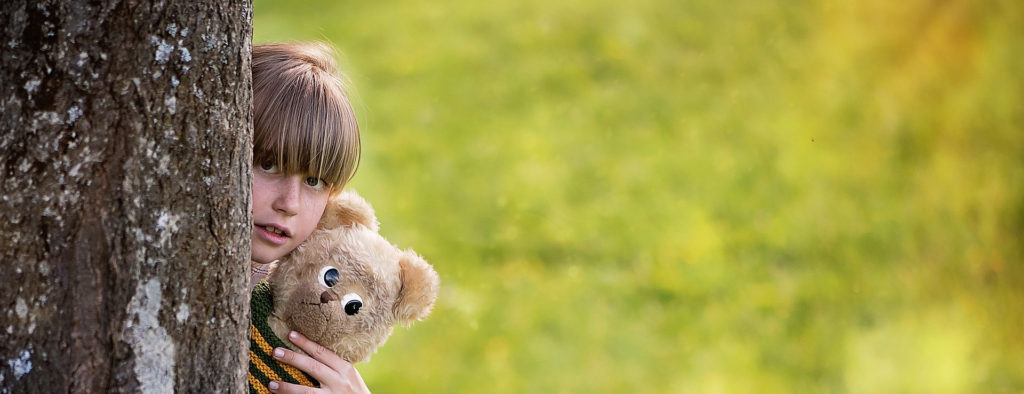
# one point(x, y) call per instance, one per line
point(274, 230)
point(271, 234)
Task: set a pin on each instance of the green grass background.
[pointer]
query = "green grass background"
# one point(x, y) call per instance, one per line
point(675, 196)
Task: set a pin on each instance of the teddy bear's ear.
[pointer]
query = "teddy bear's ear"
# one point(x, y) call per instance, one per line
point(347, 209)
point(420, 284)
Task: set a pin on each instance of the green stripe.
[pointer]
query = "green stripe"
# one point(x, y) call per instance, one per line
point(270, 362)
point(259, 376)
point(262, 303)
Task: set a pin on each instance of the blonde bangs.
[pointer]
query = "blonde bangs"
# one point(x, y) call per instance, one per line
point(304, 122)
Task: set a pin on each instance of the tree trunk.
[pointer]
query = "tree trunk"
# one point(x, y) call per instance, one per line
point(124, 218)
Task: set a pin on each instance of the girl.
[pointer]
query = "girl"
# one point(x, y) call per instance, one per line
point(305, 149)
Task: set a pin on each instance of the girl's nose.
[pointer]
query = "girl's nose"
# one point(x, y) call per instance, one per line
point(287, 199)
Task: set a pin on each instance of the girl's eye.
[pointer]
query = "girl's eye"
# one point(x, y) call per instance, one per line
point(315, 183)
point(328, 276)
point(269, 167)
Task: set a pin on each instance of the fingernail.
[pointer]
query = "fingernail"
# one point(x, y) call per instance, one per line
point(293, 335)
point(272, 385)
point(278, 353)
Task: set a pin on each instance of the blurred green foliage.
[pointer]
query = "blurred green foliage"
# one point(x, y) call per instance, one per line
point(693, 196)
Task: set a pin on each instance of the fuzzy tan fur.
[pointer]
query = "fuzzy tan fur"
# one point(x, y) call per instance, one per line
point(396, 286)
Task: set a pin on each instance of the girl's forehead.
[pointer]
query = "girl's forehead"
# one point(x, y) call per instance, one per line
point(307, 135)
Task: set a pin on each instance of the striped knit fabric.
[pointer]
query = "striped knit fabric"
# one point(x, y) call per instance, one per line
point(263, 368)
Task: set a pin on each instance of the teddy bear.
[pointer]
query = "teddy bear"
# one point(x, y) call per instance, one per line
point(345, 288)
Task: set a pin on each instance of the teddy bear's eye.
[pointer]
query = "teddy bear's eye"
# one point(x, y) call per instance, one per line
point(352, 303)
point(328, 276)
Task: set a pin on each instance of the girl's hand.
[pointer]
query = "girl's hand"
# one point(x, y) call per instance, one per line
point(334, 373)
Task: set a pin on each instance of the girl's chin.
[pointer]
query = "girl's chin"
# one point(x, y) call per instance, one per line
point(263, 255)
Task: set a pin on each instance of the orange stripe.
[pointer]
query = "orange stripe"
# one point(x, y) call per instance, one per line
point(262, 367)
point(262, 343)
point(253, 382)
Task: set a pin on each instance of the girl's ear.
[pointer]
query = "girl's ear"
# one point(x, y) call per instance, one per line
point(420, 284)
point(348, 209)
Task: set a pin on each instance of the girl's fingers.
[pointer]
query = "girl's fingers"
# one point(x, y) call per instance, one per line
point(288, 388)
point(319, 352)
point(307, 364)
point(334, 373)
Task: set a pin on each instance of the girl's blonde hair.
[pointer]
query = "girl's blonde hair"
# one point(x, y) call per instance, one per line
point(303, 120)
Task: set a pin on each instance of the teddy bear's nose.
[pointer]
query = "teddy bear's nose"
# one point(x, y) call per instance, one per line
point(326, 297)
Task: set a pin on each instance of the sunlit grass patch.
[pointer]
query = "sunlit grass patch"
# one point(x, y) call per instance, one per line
point(693, 196)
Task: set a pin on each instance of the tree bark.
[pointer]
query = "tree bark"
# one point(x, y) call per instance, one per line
point(124, 216)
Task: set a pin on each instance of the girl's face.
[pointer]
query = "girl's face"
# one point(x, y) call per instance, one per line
point(285, 210)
